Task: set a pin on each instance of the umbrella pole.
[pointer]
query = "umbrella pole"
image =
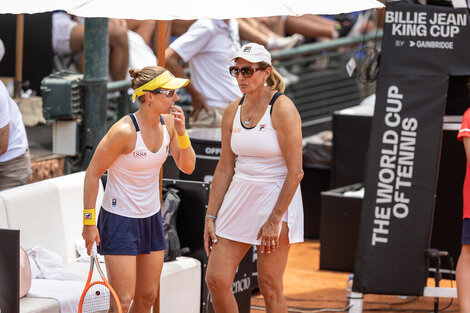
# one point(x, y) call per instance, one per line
point(95, 79)
point(161, 43)
point(19, 56)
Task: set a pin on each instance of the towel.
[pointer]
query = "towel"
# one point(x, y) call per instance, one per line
point(46, 264)
point(66, 292)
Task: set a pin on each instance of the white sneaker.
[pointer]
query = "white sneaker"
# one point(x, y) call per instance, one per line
point(282, 43)
point(287, 77)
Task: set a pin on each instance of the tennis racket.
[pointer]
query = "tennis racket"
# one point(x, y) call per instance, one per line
point(98, 296)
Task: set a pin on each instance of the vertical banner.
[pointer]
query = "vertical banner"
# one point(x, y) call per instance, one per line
point(421, 46)
point(400, 184)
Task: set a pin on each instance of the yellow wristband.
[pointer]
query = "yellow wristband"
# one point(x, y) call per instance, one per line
point(183, 141)
point(89, 217)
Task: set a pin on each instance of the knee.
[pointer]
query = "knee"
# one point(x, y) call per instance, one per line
point(125, 301)
point(146, 299)
point(217, 282)
point(118, 36)
point(269, 288)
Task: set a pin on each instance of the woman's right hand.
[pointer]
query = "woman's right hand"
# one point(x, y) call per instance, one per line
point(209, 235)
point(91, 235)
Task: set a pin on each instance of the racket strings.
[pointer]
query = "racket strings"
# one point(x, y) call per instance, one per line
point(97, 300)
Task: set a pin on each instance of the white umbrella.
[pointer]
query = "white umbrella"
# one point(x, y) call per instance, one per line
point(188, 9)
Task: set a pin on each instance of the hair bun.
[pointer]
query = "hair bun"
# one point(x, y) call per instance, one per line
point(133, 72)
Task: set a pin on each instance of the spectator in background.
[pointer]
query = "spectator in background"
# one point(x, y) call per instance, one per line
point(68, 34)
point(126, 47)
point(319, 27)
point(253, 30)
point(15, 162)
point(207, 46)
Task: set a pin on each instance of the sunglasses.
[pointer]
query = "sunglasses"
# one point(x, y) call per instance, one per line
point(246, 71)
point(169, 93)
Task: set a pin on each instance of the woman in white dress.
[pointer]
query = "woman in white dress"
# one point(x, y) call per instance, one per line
point(255, 195)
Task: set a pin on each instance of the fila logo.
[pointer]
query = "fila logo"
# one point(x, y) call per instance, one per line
point(262, 127)
point(247, 49)
point(87, 216)
point(139, 154)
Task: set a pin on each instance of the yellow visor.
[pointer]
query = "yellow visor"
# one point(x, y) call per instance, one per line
point(165, 80)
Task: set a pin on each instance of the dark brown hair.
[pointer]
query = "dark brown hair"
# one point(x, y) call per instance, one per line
point(143, 76)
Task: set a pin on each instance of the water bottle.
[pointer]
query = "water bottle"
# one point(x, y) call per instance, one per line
point(349, 285)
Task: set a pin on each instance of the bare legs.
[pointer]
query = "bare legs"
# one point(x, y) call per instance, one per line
point(463, 279)
point(135, 278)
point(223, 263)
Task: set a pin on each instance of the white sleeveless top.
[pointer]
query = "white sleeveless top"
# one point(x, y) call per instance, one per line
point(260, 172)
point(259, 155)
point(132, 189)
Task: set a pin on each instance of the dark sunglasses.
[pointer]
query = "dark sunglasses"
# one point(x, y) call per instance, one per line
point(246, 71)
point(169, 93)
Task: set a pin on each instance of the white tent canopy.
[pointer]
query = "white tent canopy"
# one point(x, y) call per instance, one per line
point(188, 9)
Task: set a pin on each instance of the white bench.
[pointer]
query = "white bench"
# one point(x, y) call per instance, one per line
point(49, 214)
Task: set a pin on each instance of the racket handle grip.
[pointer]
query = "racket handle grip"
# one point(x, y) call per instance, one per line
point(94, 250)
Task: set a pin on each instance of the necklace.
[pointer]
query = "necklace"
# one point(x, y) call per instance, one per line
point(247, 121)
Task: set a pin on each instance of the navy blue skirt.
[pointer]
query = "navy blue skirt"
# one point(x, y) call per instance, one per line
point(120, 235)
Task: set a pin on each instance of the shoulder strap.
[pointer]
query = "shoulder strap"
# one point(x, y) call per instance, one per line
point(241, 100)
point(134, 121)
point(273, 99)
point(161, 120)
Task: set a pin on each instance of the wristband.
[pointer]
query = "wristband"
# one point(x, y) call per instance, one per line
point(183, 141)
point(89, 217)
point(211, 216)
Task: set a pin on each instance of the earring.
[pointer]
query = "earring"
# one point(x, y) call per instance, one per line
point(265, 84)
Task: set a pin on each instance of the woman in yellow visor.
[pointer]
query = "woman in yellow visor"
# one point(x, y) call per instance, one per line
point(129, 231)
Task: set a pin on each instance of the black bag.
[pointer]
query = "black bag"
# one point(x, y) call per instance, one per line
point(170, 204)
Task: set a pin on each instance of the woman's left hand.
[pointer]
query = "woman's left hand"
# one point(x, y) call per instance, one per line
point(178, 115)
point(269, 235)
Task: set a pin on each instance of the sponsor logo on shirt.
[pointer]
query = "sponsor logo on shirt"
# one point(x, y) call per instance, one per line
point(139, 154)
point(113, 203)
point(167, 148)
point(247, 49)
point(262, 127)
point(236, 130)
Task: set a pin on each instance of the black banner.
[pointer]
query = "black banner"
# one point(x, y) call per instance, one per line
point(422, 46)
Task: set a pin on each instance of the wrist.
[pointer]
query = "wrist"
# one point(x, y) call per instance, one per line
point(181, 132)
point(89, 217)
point(183, 141)
point(274, 219)
point(210, 217)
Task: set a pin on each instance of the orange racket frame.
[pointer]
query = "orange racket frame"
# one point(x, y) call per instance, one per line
point(89, 284)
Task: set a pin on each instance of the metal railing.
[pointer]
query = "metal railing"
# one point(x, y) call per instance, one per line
point(316, 79)
point(323, 85)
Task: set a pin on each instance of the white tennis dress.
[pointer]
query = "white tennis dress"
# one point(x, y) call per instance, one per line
point(260, 171)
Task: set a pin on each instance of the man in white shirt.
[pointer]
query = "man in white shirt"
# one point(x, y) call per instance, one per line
point(208, 46)
point(15, 162)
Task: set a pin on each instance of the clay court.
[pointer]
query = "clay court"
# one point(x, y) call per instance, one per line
point(309, 289)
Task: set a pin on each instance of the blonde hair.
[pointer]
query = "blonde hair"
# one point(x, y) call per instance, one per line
point(274, 80)
point(143, 76)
